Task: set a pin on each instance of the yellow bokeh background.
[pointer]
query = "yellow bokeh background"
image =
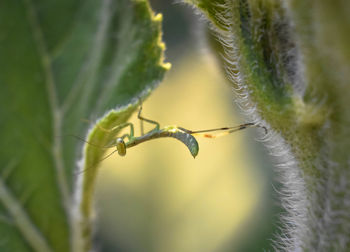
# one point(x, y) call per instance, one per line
point(157, 197)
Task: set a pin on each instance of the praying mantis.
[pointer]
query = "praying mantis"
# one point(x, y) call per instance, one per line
point(186, 136)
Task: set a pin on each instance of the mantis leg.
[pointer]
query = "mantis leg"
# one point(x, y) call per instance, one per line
point(119, 127)
point(123, 125)
point(126, 135)
point(224, 131)
point(147, 120)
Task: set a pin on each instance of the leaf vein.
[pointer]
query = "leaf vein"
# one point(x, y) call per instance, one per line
point(29, 231)
point(88, 72)
point(53, 102)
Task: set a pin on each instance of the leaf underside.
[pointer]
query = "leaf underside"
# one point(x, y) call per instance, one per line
point(61, 62)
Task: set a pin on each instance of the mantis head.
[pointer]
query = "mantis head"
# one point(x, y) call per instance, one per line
point(121, 147)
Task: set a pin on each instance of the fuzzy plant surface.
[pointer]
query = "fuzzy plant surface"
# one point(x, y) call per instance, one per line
point(61, 62)
point(289, 63)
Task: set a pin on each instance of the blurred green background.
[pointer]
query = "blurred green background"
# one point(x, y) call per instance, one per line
point(158, 198)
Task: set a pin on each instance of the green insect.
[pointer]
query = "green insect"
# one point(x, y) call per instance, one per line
point(184, 135)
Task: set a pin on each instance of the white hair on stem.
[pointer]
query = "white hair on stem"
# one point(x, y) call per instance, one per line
point(293, 197)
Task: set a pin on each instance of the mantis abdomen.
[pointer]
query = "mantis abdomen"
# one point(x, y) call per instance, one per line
point(168, 131)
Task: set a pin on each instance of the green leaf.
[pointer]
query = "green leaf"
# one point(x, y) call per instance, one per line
point(289, 63)
point(61, 62)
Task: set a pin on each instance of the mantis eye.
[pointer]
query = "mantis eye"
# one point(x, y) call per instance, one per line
point(121, 147)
